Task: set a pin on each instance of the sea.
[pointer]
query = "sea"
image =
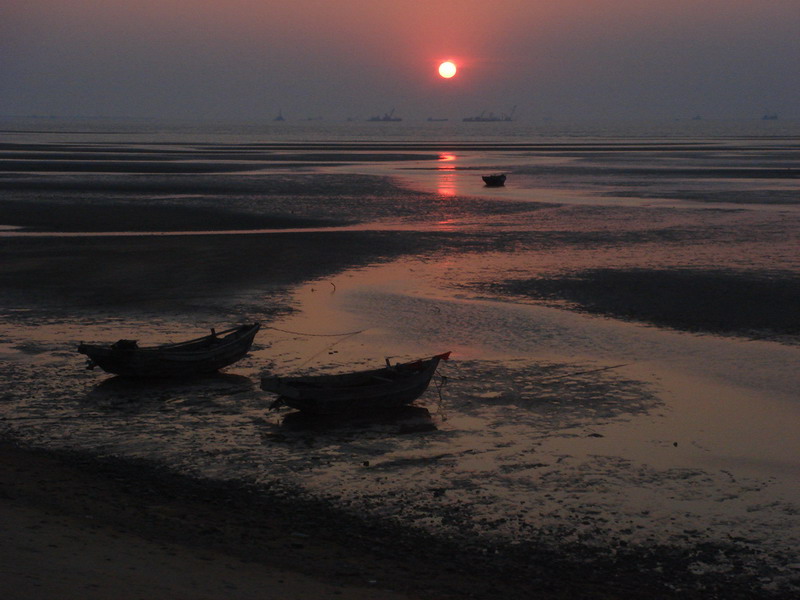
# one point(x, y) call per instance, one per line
point(97, 129)
point(622, 317)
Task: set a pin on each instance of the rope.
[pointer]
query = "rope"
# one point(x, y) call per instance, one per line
point(327, 348)
point(442, 381)
point(315, 334)
point(584, 372)
point(549, 378)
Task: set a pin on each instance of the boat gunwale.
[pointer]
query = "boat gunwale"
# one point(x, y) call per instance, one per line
point(230, 337)
point(173, 360)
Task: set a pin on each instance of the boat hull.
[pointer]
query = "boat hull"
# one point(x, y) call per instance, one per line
point(494, 180)
point(388, 387)
point(195, 357)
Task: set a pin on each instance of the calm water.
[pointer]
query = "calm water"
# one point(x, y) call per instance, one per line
point(553, 425)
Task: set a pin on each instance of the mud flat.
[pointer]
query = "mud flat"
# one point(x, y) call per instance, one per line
point(759, 305)
point(575, 452)
point(77, 526)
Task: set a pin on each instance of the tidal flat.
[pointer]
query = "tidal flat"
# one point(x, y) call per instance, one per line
point(619, 417)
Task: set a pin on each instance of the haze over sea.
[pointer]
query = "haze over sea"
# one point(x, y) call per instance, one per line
point(622, 315)
point(409, 130)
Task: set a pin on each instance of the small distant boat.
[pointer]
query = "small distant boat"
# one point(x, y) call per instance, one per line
point(770, 117)
point(494, 180)
point(485, 117)
point(279, 117)
point(388, 387)
point(202, 355)
point(387, 117)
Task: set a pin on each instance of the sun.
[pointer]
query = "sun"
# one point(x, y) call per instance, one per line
point(447, 69)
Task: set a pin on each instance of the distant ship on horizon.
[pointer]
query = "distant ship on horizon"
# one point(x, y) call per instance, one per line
point(387, 117)
point(280, 116)
point(490, 117)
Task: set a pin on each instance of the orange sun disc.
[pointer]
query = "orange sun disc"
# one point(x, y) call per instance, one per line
point(447, 69)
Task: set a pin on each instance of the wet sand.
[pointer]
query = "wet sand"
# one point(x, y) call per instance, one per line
point(125, 531)
point(681, 299)
point(222, 536)
point(115, 528)
point(76, 530)
point(81, 527)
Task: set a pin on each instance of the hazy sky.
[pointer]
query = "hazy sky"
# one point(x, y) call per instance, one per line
point(243, 59)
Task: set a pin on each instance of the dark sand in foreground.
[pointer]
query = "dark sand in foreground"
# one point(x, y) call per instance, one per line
point(74, 530)
point(76, 527)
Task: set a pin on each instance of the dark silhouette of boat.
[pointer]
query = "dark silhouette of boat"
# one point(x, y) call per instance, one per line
point(387, 117)
point(387, 387)
point(770, 117)
point(494, 180)
point(199, 356)
point(279, 117)
point(485, 117)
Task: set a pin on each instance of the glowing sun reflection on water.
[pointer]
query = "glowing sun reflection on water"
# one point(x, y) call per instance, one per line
point(446, 184)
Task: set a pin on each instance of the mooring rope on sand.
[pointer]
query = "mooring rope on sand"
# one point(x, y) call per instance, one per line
point(548, 378)
point(440, 381)
point(585, 372)
point(343, 336)
point(315, 334)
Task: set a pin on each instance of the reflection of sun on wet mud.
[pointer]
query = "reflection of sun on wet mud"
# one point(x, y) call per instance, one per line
point(446, 183)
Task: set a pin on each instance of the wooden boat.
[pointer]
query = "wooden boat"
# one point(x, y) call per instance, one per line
point(387, 387)
point(206, 354)
point(494, 180)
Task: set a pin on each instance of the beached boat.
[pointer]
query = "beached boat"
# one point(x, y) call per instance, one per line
point(206, 354)
point(387, 387)
point(494, 180)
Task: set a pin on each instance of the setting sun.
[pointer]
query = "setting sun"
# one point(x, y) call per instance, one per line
point(447, 69)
